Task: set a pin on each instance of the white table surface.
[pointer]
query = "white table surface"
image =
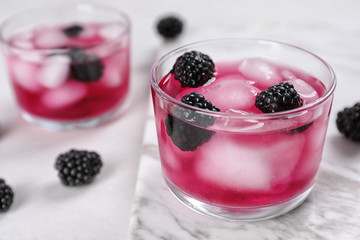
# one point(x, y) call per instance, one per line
point(44, 209)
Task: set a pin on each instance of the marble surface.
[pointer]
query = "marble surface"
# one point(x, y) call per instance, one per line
point(332, 211)
point(129, 199)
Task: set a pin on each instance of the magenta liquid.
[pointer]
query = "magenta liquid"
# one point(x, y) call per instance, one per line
point(257, 163)
point(41, 64)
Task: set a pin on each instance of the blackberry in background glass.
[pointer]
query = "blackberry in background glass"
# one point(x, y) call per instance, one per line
point(73, 30)
point(85, 67)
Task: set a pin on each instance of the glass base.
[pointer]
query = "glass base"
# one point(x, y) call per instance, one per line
point(237, 213)
point(55, 125)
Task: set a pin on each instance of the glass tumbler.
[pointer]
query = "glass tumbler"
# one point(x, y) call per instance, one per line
point(68, 64)
point(240, 163)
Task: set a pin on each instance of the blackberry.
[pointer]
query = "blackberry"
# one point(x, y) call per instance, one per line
point(184, 135)
point(169, 27)
point(78, 167)
point(300, 129)
point(85, 67)
point(277, 98)
point(6, 196)
point(197, 100)
point(193, 69)
point(73, 30)
point(348, 122)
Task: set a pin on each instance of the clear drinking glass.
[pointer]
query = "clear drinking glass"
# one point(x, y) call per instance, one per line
point(245, 164)
point(68, 64)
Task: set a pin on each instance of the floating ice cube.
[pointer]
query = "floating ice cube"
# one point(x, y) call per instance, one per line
point(249, 166)
point(312, 152)
point(239, 167)
point(116, 70)
point(284, 155)
point(168, 157)
point(24, 73)
point(65, 95)
point(23, 40)
point(31, 56)
point(287, 74)
point(54, 71)
point(229, 93)
point(88, 32)
point(264, 73)
point(111, 31)
point(50, 38)
point(305, 90)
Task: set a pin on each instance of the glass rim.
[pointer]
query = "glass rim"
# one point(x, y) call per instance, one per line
point(288, 113)
point(78, 5)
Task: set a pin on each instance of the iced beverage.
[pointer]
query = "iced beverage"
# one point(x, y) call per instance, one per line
point(70, 73)
point(229, 148)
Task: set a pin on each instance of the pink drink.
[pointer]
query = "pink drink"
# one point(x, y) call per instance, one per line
point(253, 165)
point(50, 84)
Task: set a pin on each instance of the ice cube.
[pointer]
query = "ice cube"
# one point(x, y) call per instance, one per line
point(24, 73)
point(228, 93)
point(111, 31)
point(116, 70)
point(65, 95)
point(88, 32)
point(264, 73)
point(249, 165)
point(54, 71)
point(284, 155)
point(168, 157)
point(171, 156)
point(288, 74)
point(305, 90)
point(50, 38)
point(31, 56)
point(312, 153)
point(23, 40)
point(230, 165)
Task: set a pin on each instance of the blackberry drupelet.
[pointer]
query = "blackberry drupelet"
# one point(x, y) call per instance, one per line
point(193, 69)
point(6, 196)
point(169, 27)
point(78, 167)
point(73, 30)
point(85, 67)
point(348, 122)
point(277, 98)
point(184, 135)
